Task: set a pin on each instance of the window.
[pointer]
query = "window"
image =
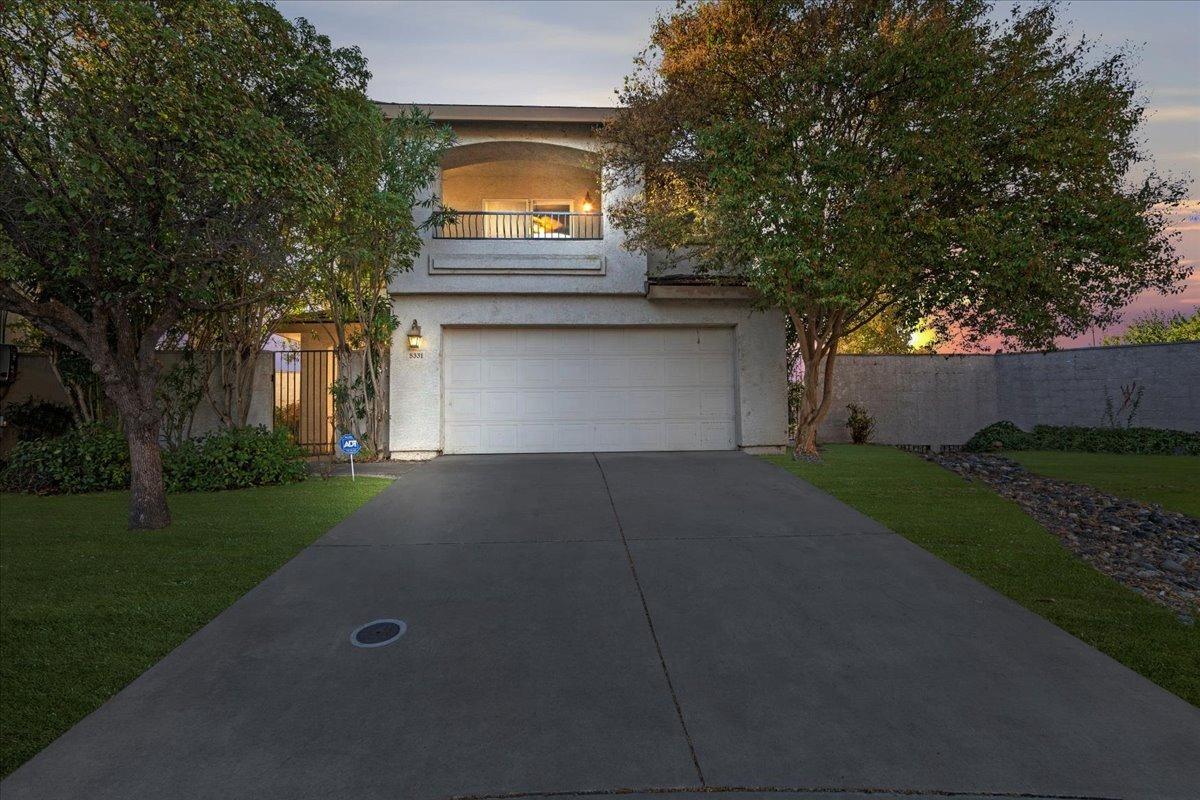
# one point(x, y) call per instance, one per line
point(528, 219)
point(506, 219)
point(551, 219)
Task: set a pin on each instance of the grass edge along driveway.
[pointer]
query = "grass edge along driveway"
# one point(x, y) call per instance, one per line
point(86, 605)
point(988, 537)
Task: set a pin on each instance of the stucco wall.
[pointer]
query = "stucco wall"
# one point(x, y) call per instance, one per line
point(262, 401)
point(943, 400)
point(36, 379)
point(416, 383)
point(550, 282)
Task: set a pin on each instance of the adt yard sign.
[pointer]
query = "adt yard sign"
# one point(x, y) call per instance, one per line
point(349, 444)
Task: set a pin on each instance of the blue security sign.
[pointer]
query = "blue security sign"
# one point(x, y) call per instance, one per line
point(349, 444)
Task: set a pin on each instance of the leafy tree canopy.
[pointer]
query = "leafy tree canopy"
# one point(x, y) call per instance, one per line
point(158, 161)
point(1157, 326)
point(365, 235)
point(851, 157)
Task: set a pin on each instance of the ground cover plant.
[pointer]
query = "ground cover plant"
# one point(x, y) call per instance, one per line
point(1007, 436)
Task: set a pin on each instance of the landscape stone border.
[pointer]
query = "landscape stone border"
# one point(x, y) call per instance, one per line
point(1151, 550)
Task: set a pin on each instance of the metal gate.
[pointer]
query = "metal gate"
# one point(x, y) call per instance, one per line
point(303, 401)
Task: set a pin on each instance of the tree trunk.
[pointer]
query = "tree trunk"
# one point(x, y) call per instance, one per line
point(807, 420)
point(248, 366)
point(818, 394)
point(806, 441)
point(148, 496)
point(380, 416)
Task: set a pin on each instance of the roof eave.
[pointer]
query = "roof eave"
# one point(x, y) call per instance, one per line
point(446, 112)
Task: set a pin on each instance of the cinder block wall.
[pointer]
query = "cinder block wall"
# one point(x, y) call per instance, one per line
point(943, 400)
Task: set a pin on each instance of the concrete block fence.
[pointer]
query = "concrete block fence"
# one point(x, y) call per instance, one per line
point(941, 400)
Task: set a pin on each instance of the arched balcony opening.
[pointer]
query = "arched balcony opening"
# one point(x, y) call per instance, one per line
point(520, 190)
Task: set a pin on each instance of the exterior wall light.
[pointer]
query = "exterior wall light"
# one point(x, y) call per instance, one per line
point(414, 336)
point(587, 202)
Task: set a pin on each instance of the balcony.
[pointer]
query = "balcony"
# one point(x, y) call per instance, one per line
point(522, 225)
point(530, 214)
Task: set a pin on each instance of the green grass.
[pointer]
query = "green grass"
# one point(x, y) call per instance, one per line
point(86, 605)
point(990, 538)
point(1171, 481)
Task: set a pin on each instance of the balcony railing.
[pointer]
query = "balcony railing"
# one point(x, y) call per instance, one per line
point(520, 225)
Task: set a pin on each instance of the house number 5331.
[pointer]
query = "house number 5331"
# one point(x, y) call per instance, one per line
point(416, 354)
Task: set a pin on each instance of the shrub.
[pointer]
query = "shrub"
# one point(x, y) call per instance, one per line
point(233, 459)
point(1117, 440)
point(38, 419)
point(93, 458)
point(1002, 435)
point(96, 458)
point(1122, 415)
point(1148, 441)
point(860, 423)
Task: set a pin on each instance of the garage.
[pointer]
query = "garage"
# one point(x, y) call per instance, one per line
point(581, 389)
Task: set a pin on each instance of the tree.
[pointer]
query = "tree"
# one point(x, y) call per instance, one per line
point(150, 154)
point(226, 343)
point(1158, 326)
point(851, 158)
point(380, 171)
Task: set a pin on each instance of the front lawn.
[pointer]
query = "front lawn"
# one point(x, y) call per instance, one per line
point(990, 538)
point(86, 606)
point(1171, 481)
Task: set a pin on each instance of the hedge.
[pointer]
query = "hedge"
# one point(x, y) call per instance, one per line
point(234, 459)
point(95, 458)
point(1145, 441)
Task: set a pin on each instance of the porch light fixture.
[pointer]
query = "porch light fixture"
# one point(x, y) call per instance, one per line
point(587, 202)
point(414, 336)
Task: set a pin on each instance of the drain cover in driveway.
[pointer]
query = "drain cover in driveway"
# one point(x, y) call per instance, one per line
point(378, 633)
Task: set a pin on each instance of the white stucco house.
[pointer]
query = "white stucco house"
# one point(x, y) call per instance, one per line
point(539, 332)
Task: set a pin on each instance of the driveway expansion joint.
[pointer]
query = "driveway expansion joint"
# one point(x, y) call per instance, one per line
point(650, 623)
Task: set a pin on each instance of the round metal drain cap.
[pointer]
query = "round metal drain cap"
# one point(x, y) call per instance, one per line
point(378, 633)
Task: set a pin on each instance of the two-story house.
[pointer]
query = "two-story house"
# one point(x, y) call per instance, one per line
point(539, 332)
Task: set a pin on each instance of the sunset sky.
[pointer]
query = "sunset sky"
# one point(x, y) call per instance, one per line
point(576, 53)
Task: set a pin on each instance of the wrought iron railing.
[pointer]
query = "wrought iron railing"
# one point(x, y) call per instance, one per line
point(520, 225)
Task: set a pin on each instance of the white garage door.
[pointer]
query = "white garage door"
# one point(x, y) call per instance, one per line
point(540, 390)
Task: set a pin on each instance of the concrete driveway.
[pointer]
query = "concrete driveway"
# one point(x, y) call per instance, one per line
point(684, 625)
